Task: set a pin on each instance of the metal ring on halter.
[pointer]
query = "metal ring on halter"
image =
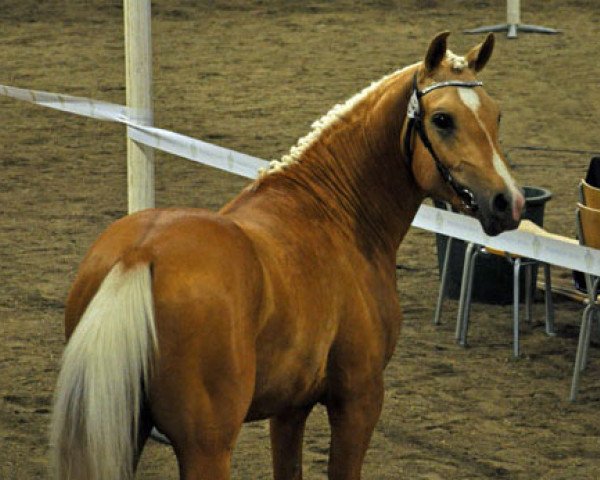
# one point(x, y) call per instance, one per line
point(415, 121)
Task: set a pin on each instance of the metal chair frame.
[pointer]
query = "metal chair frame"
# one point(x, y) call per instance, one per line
point(518, 264)
point(464, 307)
point(590, 311)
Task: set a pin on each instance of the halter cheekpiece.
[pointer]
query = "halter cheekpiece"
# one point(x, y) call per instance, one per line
point(415, 116)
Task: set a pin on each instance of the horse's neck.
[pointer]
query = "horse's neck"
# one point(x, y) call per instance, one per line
point(354, 175)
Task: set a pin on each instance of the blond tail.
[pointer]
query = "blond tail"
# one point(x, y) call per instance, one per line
point(100, 386)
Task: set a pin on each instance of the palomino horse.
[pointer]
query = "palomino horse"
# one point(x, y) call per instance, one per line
point(195, 322)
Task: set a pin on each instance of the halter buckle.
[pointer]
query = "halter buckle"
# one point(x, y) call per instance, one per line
point(414, 108)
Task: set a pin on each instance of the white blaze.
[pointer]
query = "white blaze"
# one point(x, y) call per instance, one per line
point(470, 98)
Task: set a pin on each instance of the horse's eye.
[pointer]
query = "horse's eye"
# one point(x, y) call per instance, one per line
point(499, 119)
point(443, 121)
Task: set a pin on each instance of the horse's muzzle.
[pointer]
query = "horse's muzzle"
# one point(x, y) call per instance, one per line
point(501, 211)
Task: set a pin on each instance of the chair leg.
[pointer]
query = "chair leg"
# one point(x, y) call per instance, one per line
point(467, 306)
point(588, 337)
point(516, 272)
point(529, 291)
point(443, 283)
point(463, 289)
point(585, 320)
point(588, 333)
point(548, 301)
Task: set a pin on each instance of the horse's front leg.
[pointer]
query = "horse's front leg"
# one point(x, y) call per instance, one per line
point(287, 433)
point(353, 413)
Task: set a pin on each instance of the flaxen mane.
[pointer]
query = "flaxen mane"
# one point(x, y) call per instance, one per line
point(458, 63)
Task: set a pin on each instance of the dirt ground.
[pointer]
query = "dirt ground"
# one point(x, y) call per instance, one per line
point(252, 76)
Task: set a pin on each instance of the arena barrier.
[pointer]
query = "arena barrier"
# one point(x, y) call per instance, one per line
point(553, 250)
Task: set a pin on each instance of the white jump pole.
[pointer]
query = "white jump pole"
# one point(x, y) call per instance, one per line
point(513, 23)
point(138, 84)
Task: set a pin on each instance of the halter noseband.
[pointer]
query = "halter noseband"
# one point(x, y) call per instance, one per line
point(415, 122)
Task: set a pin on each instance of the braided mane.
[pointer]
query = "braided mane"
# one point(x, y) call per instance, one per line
point(325, 122)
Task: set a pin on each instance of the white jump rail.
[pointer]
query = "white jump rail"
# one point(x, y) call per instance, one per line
point(552, 250)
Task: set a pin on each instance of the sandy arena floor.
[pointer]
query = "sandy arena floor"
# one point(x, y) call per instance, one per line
point(252, 76)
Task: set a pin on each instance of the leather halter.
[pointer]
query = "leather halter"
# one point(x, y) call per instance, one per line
point(415, 117)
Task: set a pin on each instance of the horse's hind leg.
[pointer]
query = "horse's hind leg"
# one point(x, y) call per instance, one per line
point(287, 432)
point(353, 414)
point(200, 396)
point(199, 463)
point(202, 423)
point(144, 428)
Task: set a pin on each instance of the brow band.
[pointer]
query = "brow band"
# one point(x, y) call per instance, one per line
point(450, 83)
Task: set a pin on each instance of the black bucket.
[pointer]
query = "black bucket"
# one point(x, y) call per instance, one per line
point(493, 274)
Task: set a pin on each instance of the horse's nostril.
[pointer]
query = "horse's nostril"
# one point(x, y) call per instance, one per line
point(500, 203)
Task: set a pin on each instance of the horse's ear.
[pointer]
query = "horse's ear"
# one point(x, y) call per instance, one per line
point(480, 54)
point(436, 52)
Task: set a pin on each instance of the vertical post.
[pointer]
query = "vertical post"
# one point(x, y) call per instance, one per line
point(138, 84)
point(513, 23)
point(513, 17)
point(513, 12)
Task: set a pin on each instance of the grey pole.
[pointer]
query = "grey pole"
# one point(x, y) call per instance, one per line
point(513, 23)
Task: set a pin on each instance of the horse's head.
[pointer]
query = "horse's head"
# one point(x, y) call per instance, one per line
point(451, 138)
